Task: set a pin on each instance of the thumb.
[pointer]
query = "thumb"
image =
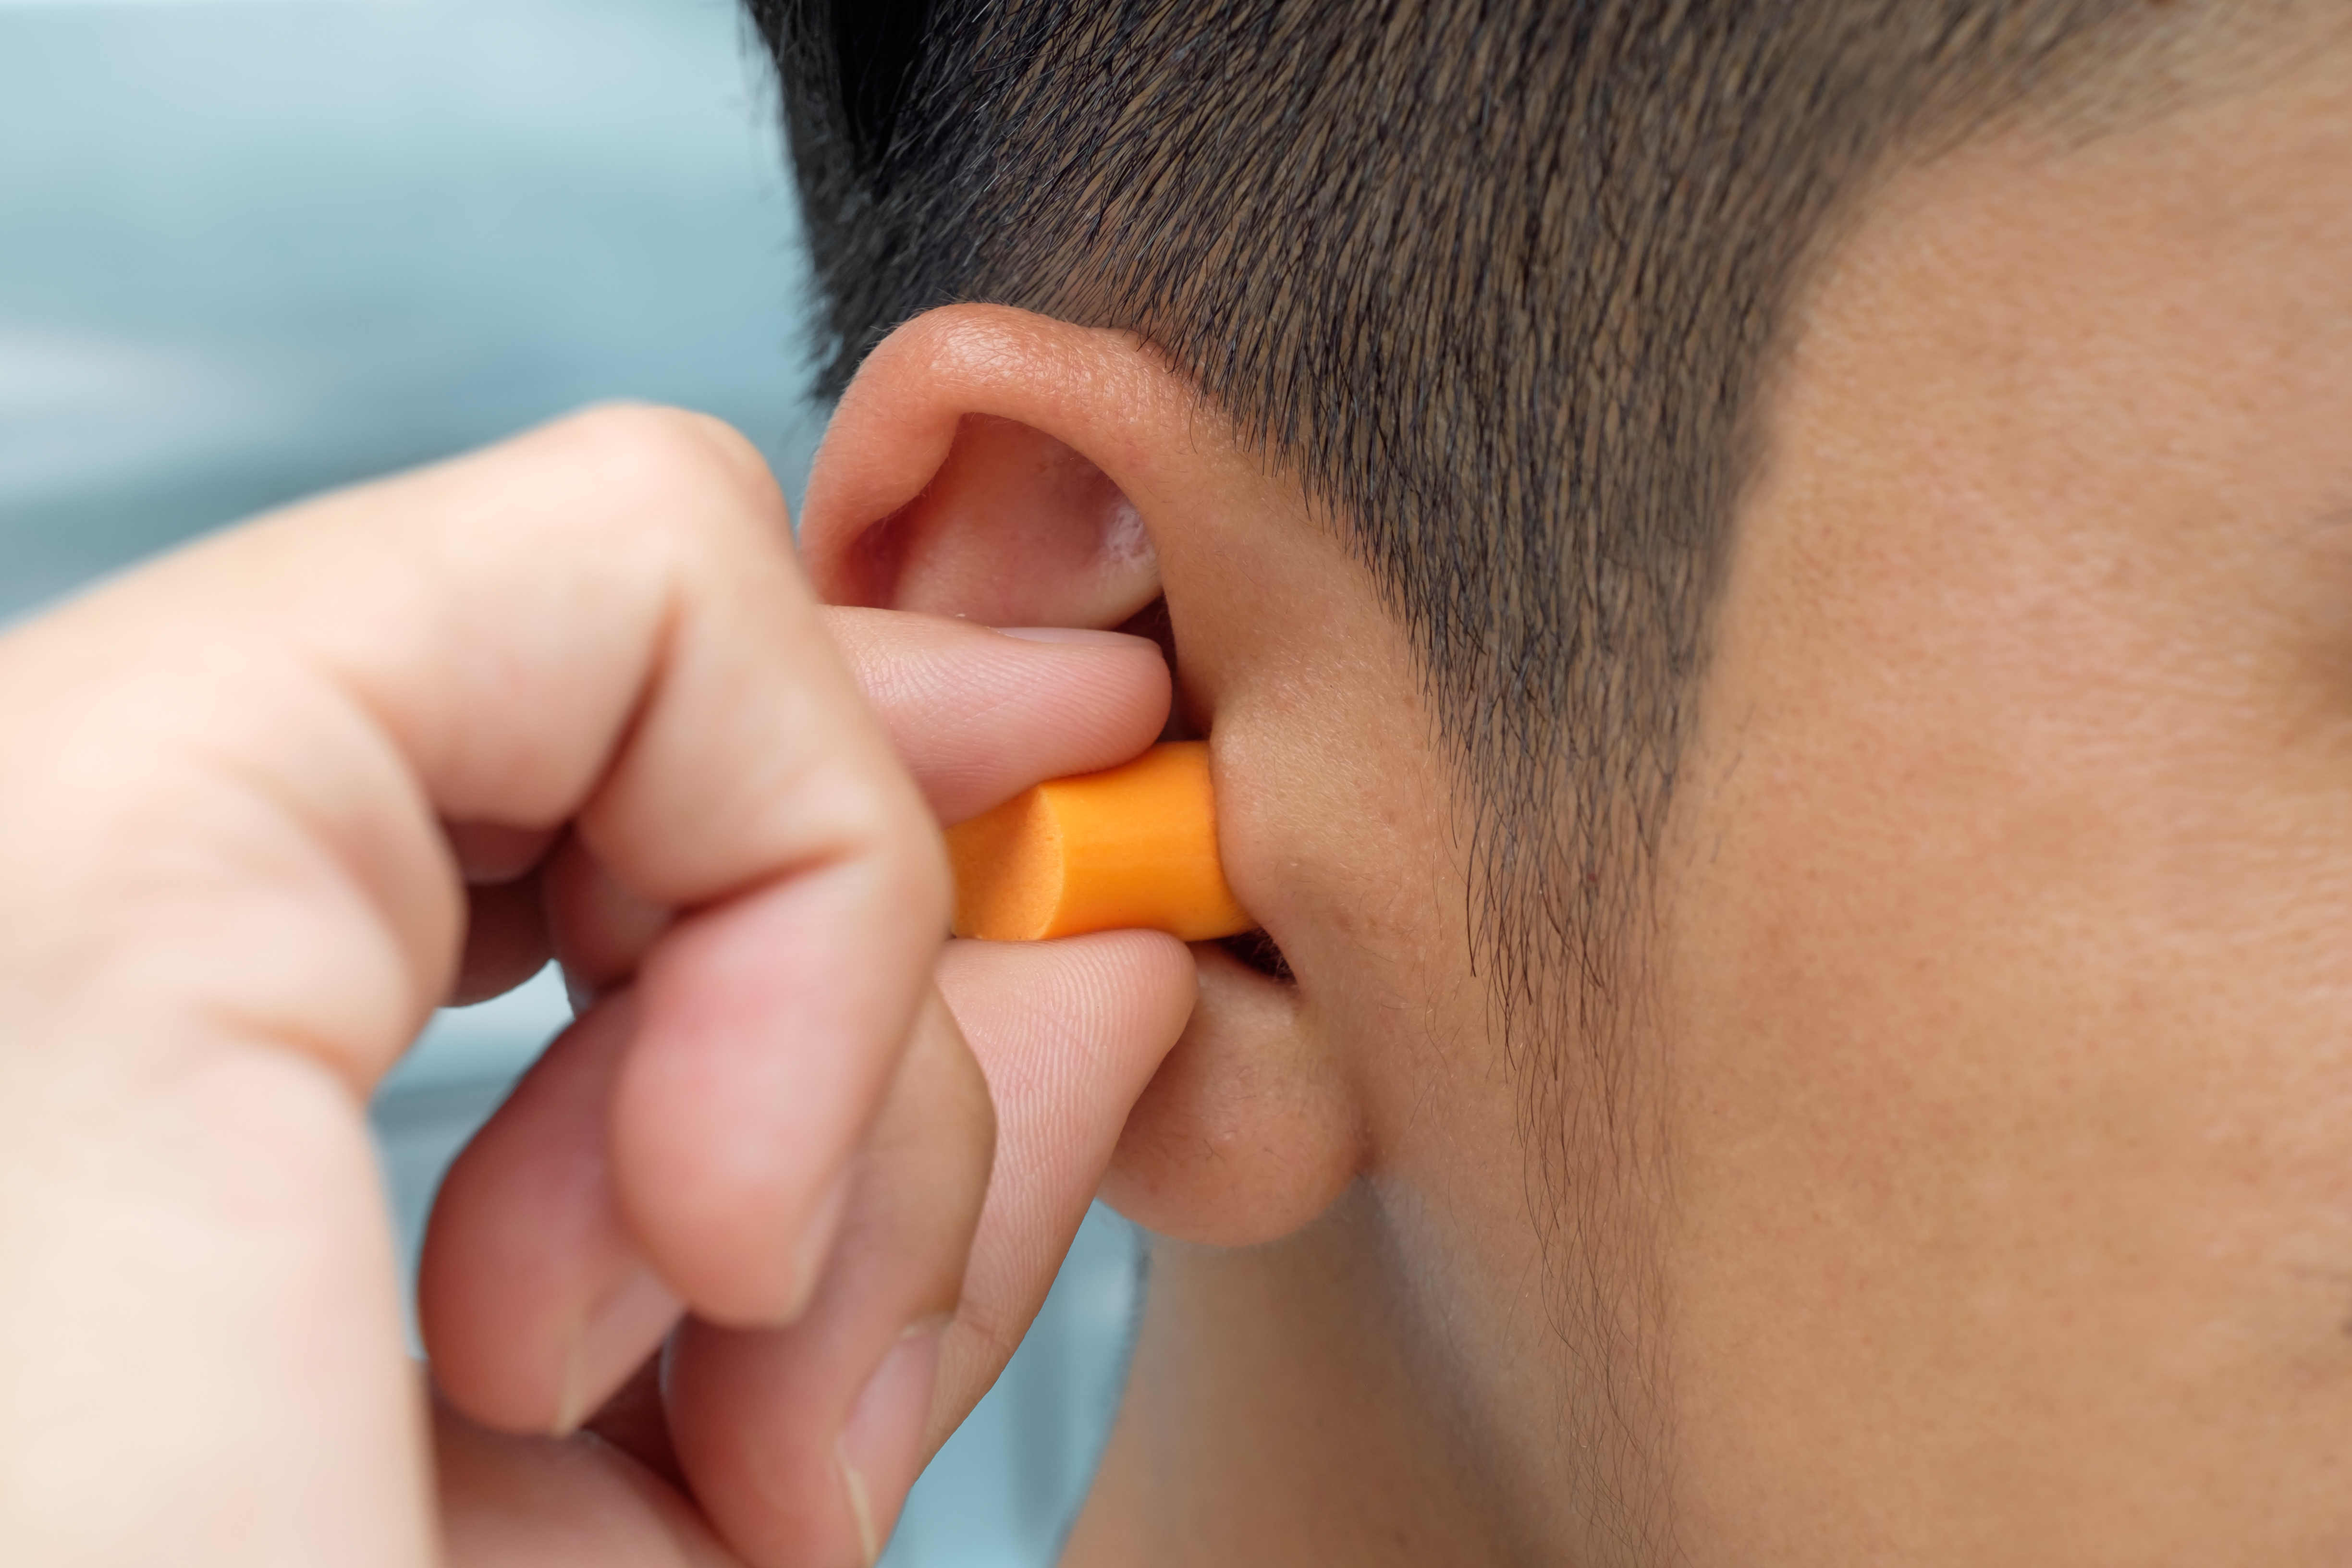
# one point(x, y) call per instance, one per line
point(1068, 1034)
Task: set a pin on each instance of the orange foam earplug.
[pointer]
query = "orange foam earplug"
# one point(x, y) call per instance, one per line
point(1131, 845)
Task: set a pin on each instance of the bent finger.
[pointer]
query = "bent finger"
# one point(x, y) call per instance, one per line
point(230, 936)
point(663, 676)
point(801, 1442)
point(533, 1302)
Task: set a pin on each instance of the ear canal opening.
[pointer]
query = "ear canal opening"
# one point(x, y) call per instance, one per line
point(1259, 952)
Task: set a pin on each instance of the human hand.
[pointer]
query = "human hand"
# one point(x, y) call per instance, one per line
point(265, 804)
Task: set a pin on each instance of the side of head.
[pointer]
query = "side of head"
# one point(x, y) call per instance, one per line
point(1643, 878)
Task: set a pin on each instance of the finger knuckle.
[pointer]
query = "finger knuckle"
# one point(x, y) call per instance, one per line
point(674, 468)
point(993, 1332)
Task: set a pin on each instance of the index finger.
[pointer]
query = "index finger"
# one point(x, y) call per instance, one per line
point(604, 623)
point(979, 714)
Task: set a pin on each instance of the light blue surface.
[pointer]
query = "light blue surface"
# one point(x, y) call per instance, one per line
point(253, 247)
point(247, 250)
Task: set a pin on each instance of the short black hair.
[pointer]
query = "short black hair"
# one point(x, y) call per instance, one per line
point(1502, 281)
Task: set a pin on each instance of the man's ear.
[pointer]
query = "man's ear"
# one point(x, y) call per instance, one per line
point(1018, 471)
point(985, 464)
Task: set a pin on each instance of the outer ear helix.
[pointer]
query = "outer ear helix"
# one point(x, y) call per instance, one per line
point(961, 475)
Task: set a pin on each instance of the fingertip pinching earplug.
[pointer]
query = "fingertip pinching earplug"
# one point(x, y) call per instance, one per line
point(1133, 846)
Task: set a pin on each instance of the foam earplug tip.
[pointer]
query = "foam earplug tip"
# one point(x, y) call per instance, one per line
point(1133, 846)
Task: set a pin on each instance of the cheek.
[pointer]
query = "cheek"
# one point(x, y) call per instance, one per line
point(2008, 994)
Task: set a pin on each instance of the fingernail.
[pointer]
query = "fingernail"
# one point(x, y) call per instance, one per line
point(816, 1245)
point(1067, 633)
point(882, 1441)
point(620, 1331)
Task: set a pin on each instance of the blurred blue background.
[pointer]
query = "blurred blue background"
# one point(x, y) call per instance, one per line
point(249, 248)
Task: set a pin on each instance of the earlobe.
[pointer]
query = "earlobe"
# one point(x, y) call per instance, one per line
point(1249, 1131)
